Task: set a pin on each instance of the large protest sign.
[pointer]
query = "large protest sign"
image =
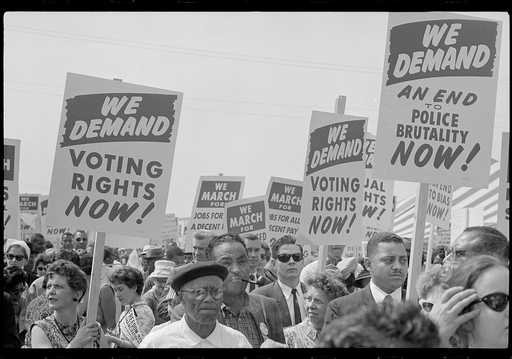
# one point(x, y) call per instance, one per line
point(246, 216)
point(334, 178)
point(213, 192)
point(283, 204)
point(504, 189)
point(438, 99)
point(11, 192)
point(439, 205)
point(114, 156)
point(30, 215)
point(378, 203)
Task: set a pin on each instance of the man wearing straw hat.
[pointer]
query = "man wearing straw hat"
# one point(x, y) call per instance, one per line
point(161, 276)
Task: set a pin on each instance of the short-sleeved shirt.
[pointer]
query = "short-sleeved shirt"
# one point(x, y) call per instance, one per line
point(179, 335)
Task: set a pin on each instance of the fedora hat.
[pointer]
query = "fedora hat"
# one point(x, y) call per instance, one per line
point(163, 269)
point(152, 252)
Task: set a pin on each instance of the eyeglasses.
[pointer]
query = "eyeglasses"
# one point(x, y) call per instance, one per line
point(285, 258)
point(81, 239)
point(496, 301)
point(18, 258)
point(41, 268)
point(427, 306)
point(201, 293)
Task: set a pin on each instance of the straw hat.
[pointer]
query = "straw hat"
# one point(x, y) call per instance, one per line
point(163, 269)
point(152, 252)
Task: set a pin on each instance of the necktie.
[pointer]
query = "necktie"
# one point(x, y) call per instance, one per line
point(388, 299)
point(296, 308)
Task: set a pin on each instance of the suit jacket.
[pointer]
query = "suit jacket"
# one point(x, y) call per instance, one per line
point(348, 304)
point(273, 290)
point(266, 310)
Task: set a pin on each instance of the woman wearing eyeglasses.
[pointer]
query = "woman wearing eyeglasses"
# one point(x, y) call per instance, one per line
point(487, 280)
point(137, 319)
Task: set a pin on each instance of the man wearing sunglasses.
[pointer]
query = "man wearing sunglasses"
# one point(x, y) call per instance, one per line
point(199, 287)
point(288, 291)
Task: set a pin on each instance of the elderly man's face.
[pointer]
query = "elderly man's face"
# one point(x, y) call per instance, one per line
point(463, 247)
point(16, 256)
point(202, 298)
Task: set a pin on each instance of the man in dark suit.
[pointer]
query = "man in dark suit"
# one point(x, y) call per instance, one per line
point(387, 263)
point(287, 290)
point(254, 252)
point(256, 316)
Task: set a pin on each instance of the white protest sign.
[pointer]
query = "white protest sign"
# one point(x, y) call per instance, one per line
point(11, 178)
point(283, 204)
point(129, 329)
point(438, 99)
point(439, 205)
point(114, 156)
point(30, 215)
point(504, 189)
point(53, 234)
point(378, 204)
point(332, 196)
point(245, 216)
point(213, 192)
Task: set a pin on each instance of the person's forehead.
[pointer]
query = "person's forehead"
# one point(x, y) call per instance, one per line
point(466, 240)
point(201, 282)
point(229, 249)
point(57, 279)
point(390, 249)
point(289, 249)
point(315, 292)
point(16, 250)
point(492, 280)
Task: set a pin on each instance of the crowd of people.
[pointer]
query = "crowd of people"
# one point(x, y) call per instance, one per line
point(237, 291)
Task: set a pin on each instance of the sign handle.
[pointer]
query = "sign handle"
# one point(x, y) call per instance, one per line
point(94, 284)
point(430, 247)
point(339, 108)
point(417, 242)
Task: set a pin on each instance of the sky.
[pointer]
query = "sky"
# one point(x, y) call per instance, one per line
point(250, 82)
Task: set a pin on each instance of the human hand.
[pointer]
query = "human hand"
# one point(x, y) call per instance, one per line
point(86, 335)
point(269, 343)
point(446, 312)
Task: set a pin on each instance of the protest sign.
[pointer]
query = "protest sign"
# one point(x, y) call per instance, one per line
point(504, 189)
point(333, 180)
point(53, 234)
point(246, 216)
point(283, 204)
point(30, 215)
point(11, 192)
point(114, 156)
point(378, 197)
point(213, 192)
point(438, 99)
point(439, 205)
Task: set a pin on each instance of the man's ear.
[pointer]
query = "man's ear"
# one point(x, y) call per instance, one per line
point(368, 264)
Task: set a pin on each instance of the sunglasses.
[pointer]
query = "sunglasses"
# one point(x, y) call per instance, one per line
point(427, 306)
point(81, 239)
point(41, 268)
point(18, 258)
point(285, 258)
point(201, 293)
point(496, 301)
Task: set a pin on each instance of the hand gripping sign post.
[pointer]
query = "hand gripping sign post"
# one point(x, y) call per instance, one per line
point(333, 180)
point(213, 192)
point(11, 178)
point(437, 106)
point(113, 162)
point(283, 203)
point(503, 196)
point(246, 216)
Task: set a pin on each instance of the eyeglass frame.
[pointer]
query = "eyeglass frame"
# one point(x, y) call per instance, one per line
point(206, 291)
point(294, 256)
point(485, 298)
point(11, 256)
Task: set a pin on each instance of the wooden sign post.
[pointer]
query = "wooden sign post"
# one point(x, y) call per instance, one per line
point(430, 247)
point(94, 284)
point(339, 108)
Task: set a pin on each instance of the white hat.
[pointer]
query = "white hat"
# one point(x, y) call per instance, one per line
point(163, 269)
point(16, 242)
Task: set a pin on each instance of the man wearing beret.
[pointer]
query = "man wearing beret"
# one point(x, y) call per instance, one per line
point(387, 263)
point(199, 286)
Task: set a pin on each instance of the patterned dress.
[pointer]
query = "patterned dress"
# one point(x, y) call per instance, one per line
point(52, 331)
point(37, 309)
point(302, 335)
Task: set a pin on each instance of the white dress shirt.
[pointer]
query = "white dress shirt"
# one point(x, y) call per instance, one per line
point(379, 295)
point(287, 292)
point(179, 335)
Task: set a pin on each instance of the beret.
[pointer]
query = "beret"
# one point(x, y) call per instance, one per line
point(191, 271)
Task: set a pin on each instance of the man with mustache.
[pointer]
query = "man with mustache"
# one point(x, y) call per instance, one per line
point(387, 262)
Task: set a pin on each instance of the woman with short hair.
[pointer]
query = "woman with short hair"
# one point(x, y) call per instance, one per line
point(136, 321)
point(64, 328)
point(321, 289)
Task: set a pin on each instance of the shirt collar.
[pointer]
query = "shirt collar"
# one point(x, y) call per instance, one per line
point(379, 295)
point(287, 291)
point(214, 337)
